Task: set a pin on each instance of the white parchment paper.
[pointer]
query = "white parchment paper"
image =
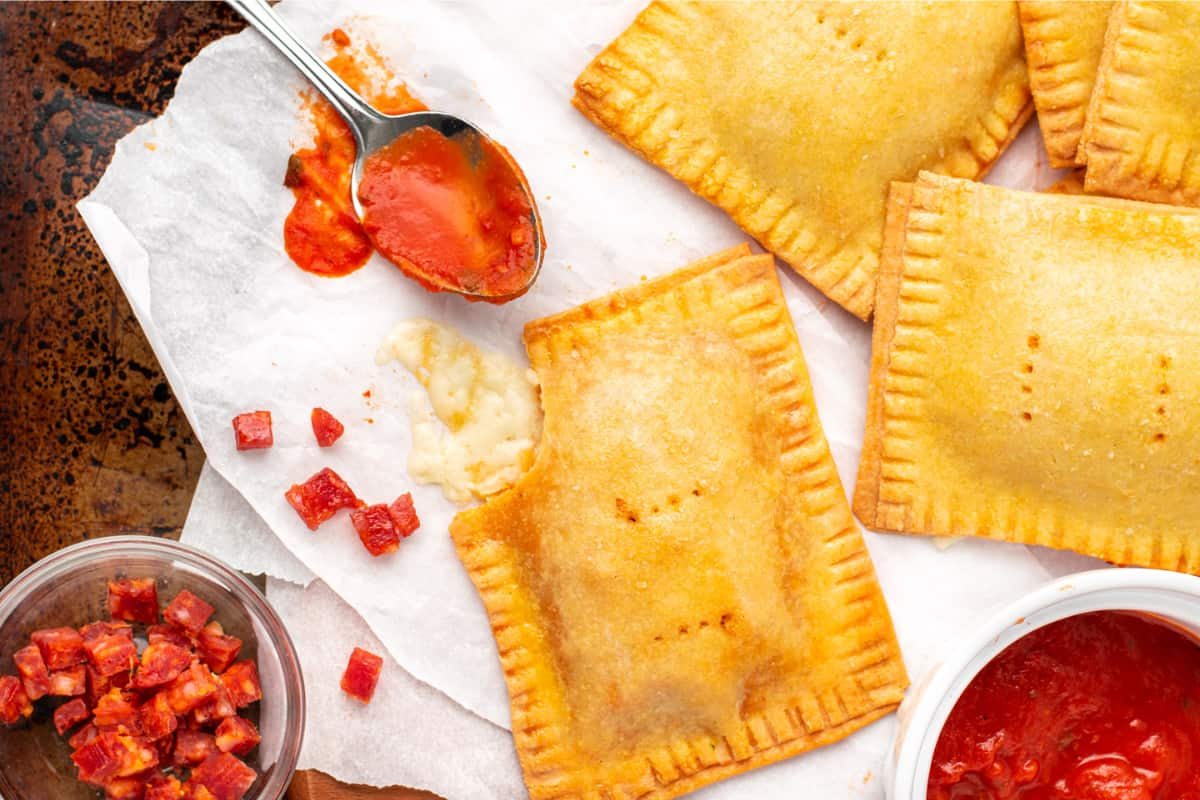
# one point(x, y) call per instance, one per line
point(190, 216)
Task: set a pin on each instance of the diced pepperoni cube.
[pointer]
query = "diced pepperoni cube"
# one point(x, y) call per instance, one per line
point(362, 675)
point(225, 776)
point(192, 748)
point(162, 662)
point(133, 600)
point(156, 717)
point(376, 530)
point(163, 787)
point(113, 755)
point(70, 714)
point(111, 654)
point(69, 682)
point(99, 685)
point(14, 703)
point(326, 427)
point(216, 649)
point(117, 710)
point(194, 791)
point(404, 515)
point(194, 686)
point(188, 612)
point(82, 736)
point(241, 681)
point(237, 735)
point(97, 630)
point(131, 788)
point(320, 497)
point(215, 709)
point(169, 633)
point(60, 647)
point(252, 430)
point(35, 678)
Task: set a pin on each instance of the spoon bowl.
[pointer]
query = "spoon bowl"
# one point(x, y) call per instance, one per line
point(373, 130)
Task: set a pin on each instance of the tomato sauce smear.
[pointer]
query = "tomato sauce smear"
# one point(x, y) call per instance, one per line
point(1099, 706)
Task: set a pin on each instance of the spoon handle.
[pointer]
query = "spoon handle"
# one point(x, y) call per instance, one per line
point(358, 115)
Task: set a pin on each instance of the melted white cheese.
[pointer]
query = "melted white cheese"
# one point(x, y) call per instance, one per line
point(490, 418)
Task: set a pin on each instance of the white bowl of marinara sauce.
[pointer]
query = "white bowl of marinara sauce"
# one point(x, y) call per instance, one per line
point(1167, 596)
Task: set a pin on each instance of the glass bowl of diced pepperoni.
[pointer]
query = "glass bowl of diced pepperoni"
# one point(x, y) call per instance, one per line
point(134, 668)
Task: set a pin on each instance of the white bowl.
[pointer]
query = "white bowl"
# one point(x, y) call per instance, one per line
point(1168, 595)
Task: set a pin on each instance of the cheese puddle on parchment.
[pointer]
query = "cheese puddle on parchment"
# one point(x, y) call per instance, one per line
point(488, 418)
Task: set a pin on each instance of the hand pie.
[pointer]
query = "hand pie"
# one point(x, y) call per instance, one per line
point(1142, 138)
point(677, 588)
point(1063, 43)
point(793, 116)
point(1034, 375)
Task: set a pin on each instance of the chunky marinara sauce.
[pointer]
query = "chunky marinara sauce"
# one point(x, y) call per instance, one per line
point(1100, 706)
point(451, 213)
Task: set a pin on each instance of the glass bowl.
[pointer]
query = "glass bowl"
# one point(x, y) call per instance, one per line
point(70, 588)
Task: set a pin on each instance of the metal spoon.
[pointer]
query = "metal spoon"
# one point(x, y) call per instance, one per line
point(373, 130)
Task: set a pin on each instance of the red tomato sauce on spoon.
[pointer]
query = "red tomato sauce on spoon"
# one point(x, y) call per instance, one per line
point(451, 216)
point(322, 234)
point(1100, 706)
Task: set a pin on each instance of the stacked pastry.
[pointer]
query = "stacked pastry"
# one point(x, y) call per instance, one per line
point(677, 587)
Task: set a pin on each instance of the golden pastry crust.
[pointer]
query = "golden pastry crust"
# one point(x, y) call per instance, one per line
point(844, 98)
point(1063, 43)
point(1033, 373)
point(1142, 138)
point(677, 588)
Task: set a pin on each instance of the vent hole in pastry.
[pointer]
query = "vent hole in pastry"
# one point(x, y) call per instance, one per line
point(820, 17)
point(1025, 415)
point(698, 491)
point(1027, 368)
point(1034, 341)
point(1159, 438)
point(683, 629)
point(881, 55)
point(726, 621)
point(658, 638)
point(1161, 411)
point(673, 499)
point(1164, 362)
point(841, 33)
point(1164, 389)
point(624, 510)
point(1026, 388)
point(703, 623)
point(858, 43)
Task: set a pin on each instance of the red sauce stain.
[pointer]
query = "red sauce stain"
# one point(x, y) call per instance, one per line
point(1100, 706)
point(322, 234)
point(451, 217)
point(367, 394)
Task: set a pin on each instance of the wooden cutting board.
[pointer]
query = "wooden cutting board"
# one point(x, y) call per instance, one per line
point(91, 441)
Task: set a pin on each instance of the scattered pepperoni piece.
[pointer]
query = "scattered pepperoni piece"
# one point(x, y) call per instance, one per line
point(68, 682)
point(99, 685)
point(14, 703)
point(111, 654)
point(193, 747)
point(60, 647)
point(225, 776)
point(339, 37)
point(252, 430)
point(237, 735)
point(320, 497)
point(216, 649)
point(326, 427)
point(133, 600)
point(404, 515)
point(241, 681)
point(113, 755)
point(161, 662)
point(376, 530)
point(35, 678)
point(188, 612)
point(70, 714)
point(84, 735)
point(362, 675)
point(217, 707)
